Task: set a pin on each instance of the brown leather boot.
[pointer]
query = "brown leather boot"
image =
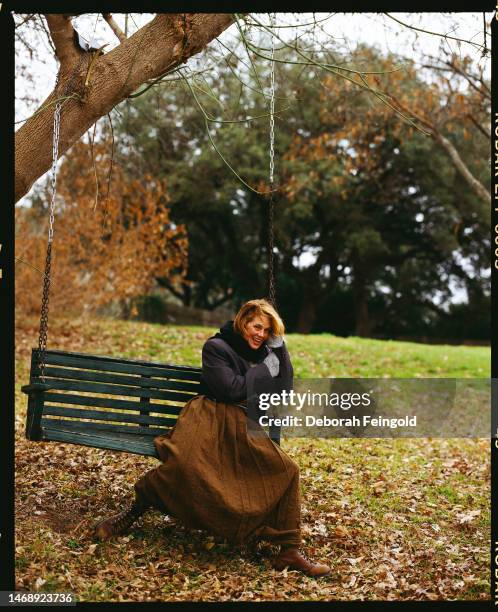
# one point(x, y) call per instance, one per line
point(295, 560)
point(119, 523)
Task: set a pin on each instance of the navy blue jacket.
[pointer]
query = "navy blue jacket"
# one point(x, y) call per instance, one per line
point(230, 378)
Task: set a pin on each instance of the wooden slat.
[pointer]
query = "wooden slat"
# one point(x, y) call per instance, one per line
point(138, 445)
point(120, 417)
point(107, 428)
point(137, 381)
point(124, 360)
point(90, 387)
point(93, 363)
point(107, 402)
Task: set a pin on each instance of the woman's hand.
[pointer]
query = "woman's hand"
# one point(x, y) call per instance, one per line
point(272, 362)
point(274, 341)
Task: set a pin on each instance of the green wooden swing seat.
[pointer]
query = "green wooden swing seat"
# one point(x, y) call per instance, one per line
point(108, 402)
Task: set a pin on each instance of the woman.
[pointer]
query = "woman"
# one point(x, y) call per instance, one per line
point(215, 475)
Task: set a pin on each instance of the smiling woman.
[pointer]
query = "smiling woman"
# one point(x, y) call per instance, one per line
point(214, 475)
point(255, 320)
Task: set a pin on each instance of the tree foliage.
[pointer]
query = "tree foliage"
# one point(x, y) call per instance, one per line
point(368, 207)
point(108, 249)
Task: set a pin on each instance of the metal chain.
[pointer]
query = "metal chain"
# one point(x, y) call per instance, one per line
point(272, 107)
point(55, 157)
point(271, 272)
point(271, 203)
point(485, 50)
point(42, 340)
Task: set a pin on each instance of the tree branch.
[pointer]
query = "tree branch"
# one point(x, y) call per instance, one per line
point(462, 168)
point(25, 20)
point(158, 47)
point(63, 37)
point(226, 296)
point(453, 154)
point(479, 126)
point(165, 283)
point(445, 36)
point(483, 90)
point(114, 26)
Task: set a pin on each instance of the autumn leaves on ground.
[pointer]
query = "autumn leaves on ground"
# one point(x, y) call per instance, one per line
point(396, 519)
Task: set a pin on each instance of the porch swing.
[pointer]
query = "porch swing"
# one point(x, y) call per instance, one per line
point(68, 393)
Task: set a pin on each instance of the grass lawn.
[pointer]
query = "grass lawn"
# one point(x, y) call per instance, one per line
point(395, 518)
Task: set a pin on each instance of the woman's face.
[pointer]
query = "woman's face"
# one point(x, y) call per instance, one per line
point(257, 331)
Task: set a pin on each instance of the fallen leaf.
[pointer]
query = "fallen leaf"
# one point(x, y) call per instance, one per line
point(341, 531)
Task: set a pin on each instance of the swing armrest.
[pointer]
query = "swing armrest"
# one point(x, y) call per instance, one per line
point(35, 387)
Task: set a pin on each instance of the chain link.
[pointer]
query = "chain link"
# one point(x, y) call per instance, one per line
point(55, 156)
point(271, 203)
point(42, 340)
point(271, 273)
point(272, 107)
point(43, 333)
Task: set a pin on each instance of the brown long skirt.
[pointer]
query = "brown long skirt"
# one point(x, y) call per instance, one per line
point(216, 476)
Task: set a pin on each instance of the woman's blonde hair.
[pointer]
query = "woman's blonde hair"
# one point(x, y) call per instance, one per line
point(258, 308)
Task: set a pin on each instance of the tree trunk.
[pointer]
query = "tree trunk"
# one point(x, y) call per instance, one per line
point(187, 293)
point(362, 316)
point(308, 311)
point(154, 50)
point(307, 317)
